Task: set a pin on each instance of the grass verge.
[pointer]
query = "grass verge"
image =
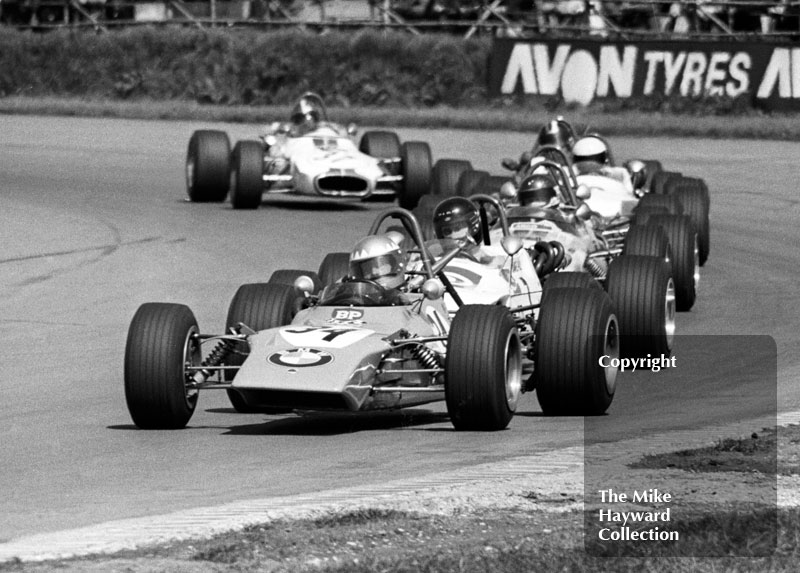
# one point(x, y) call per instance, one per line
point(512, 117)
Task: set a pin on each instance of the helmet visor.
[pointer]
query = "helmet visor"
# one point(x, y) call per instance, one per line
point(377, 267)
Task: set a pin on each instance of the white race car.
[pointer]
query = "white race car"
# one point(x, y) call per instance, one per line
point(309, 156)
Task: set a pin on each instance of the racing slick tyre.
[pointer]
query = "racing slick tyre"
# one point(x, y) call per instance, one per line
point(483, 368)
point(642, 214)
point(333, 267)
point(208, 166)
point(288, 276)
point(651, 167)
point(446, 173)
point(661, 180)
point(380, 144)
point(568, 279)
point(160, 345)
point(424, 214)
point(644, 293)
point(649, 240)
point(416, 169)
point(471, 181)
point(258, 306)
point(696, 204)
point(494, 183)
point(670, 203)
point(247, 170)
point(576, 328)
point(685, 256)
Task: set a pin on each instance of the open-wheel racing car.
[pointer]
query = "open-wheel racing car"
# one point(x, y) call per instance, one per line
point(308, 156)
point(548, 210)
point(355, 346)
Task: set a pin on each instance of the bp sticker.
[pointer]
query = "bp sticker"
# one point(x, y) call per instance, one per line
point(300, 357)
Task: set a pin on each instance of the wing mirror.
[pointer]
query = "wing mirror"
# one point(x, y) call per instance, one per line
point(433, 289)
point(352, 129)
point(511, 245)
point(583, 192)
point(510, 164)
point(304, 285)
point(508, 191)
point(583, 212)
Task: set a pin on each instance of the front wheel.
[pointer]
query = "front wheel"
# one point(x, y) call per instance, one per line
point(415, 165)
point(483, 368)
point(259, 306)
point(162, 342)
point(247, 173)
point(208, 166)
point(577, 330)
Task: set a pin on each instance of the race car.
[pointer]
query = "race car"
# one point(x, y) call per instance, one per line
point(309, 155)
point(547, 209)
point(355, 346)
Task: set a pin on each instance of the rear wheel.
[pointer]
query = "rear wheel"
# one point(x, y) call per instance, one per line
point(644, 294)
point(569, 279)
point(380, 144)
point(670, 203)
point(416, 161)
point(161, 343)
point(649, 240)
point(576, 328)
point(424, 215)
point(446, 173)
point(661, 180)
point(258, 306)
point(685, 256)
point(288, 276)
point(208, 166)
point(695, 201)
point(333, 268)
point(247, 173)
point(483, 368)
point(471, 182)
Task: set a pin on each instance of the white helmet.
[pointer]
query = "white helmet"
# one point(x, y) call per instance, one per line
point(378, 258)
point(590, 148)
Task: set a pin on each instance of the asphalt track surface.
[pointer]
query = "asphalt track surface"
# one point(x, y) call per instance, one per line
point(93, 223)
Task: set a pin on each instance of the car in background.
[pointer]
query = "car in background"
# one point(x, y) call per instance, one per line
point(308, 155)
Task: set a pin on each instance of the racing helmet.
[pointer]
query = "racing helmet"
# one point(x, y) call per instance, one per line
point(305, 115)
point(557, 132)
point(638, 172)
point(457, 218)
point(538, 190)
point(592, 149)
point(378, 258)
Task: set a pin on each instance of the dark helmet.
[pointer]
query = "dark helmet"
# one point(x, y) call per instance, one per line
point(306, 114)
point(457, 218)
point(557, 132)
point(537, 190)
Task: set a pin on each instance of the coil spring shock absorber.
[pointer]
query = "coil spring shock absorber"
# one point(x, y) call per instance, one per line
point(425, 356)
point(215, 358)
point(595, 268)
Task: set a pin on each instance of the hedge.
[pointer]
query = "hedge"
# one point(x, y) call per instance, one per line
point(244, 66)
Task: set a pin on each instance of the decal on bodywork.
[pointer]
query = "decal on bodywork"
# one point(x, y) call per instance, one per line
point(300, 357)
point(324, 336)
point(351, 316)
point(461, 277)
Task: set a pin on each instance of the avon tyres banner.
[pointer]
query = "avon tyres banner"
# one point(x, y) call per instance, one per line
point(581, 70)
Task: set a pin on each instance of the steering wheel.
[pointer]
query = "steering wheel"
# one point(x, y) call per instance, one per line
point(365, 281)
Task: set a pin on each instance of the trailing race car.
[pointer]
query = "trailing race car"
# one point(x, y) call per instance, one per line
point(547, 209)
point(361, 344)
point(309, 156)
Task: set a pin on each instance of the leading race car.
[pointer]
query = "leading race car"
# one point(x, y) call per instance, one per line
point(309, 155)
point(359, 345)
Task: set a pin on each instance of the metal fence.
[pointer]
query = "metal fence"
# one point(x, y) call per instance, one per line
point(716, 19)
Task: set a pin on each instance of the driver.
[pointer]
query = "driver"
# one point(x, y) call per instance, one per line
point(457, 219)
point(557, 132)
point(305, 117)
point(538, 190)
point(379, 259)
point(592, 156)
